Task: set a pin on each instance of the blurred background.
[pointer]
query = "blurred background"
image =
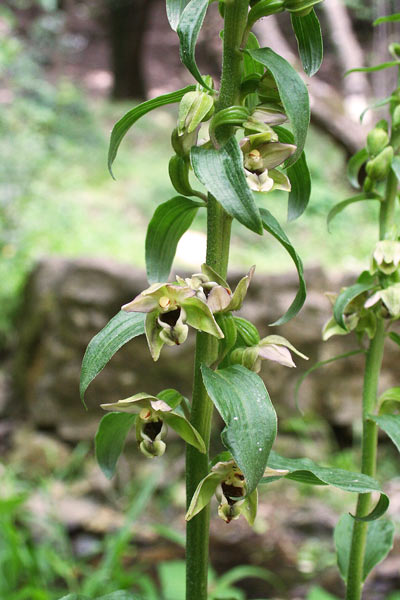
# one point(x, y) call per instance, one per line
point(72, 251)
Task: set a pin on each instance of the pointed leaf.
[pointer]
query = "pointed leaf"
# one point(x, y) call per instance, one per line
point(174, 10)
point(344, 203)
point(185, 430)
point(347, 296)
point(306, 470)
point(385, 65)
point(354, 165)
point(378, 510)
point(379, 543)
point(110, 440)
point(121, 329)
point(169, 222)
point(250, 506)
point(189, 25)
point(299, 177)
point(387, 19)
point(309, 40)
point(374, 105)
point(395, 337)
point(390, 424)
point(293, 94)
point(124, 124)
point(245, 406)
point(221, 172)
point(272, 226)
point(251, 66)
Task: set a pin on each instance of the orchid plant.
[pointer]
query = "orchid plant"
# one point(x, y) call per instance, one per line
point(254, 125)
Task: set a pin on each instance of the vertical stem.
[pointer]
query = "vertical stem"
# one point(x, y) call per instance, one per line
point(218, 242)
point(369, 437)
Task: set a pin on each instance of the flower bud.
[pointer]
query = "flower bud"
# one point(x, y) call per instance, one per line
point(377, 140)
point(269, 115)
point(396, 117)
point(379, 167)
point(183, 143)
point(248, 357)
point(194, 108)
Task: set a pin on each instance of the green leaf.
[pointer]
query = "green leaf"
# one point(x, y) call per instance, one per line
point(299, 177)
point(251, 66)
point(124, 124)
point(245, 571)
point(110, 440)
point(379, 543)
point(396, 166)
point(309, 40)
point(189, 25)
point(174, 10)
point(169, 222)
point(395, 337)
point(354, 165)
point(293, 94)
point(385, 65)
point(121, 329)
point(378, 510)
point(305, 470)
point(264, 8)
point(245, 406)
point(387, 19)
point(390, 424)
point(119, 595)
point(344, 203)
point(221, 172)
point(347, 296)
point(388, 397)
point(374, 105)
point(317, 593)
point(272, 226)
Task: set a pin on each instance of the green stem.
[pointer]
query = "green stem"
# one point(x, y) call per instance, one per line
point(369, 437)
point(218, 242)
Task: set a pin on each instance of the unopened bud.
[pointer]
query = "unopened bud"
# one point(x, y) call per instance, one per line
point(379, 167)
point(396, 116)
point(377, 140)
point(194, 108)
point(368, 184)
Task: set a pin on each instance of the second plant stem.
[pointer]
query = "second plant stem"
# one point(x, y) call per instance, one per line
point(218, 242)
point(369, 436)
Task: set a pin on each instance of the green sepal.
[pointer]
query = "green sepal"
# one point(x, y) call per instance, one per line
point(213, 275)
point(249, 507)
point(185, 430)
point(354, 165)
point(199, 316)
point(378, 544)
point(293, 94)
point(119, 330)
point(272, 226)
point(309, 41)
point(110, 440)
point(124, 124)
point(205, 491)
point(349, 294)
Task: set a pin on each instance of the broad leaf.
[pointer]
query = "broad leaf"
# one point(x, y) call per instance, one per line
point(110, 440)
point(188, 29)
point(169, 222)
point(299, 177)
point(390, 425)
point(121, 329)
point(272, 226)
point(305, 470)
point(385, 65)
point(245, 406)
point(221, 172)
point(387, 19)
point(174, 10)
point(124, 124)
point(309, 40)
point(354, 165)
point(293, 94)
point(344, 203)
point(379, 543)
point(347, 296)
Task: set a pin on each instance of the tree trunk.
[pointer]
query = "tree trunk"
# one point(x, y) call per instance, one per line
point(127, 25)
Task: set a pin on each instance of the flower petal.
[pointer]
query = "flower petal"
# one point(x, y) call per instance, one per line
point(218, 299)
point(241, 290)
point(278, 354)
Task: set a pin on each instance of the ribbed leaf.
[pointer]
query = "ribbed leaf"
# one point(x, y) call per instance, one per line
point(354, 165)
point(221, 172)
point(385, 65)
point(124, 124)
point(189, 25)
point(347, 296)
point(121, 329)
point(169, 222)
point(174, 10)
point(309, 40)
point(299, 177)
point(379, 543)
point(110, 440)
point(243, 402)
point(306, 470)
point(272, 226)
point(293, 94)
point(251, 66)
point(344, 203)
point(390, 424)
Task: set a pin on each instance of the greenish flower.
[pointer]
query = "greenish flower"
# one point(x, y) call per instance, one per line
point(390, 298)
point(272, 347)
point(386, 257)
point(170, 308)
point(154, 414)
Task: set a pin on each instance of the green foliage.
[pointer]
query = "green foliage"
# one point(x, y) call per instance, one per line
point(309, 40)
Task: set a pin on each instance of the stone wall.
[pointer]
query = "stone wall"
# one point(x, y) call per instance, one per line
point(67, 302)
